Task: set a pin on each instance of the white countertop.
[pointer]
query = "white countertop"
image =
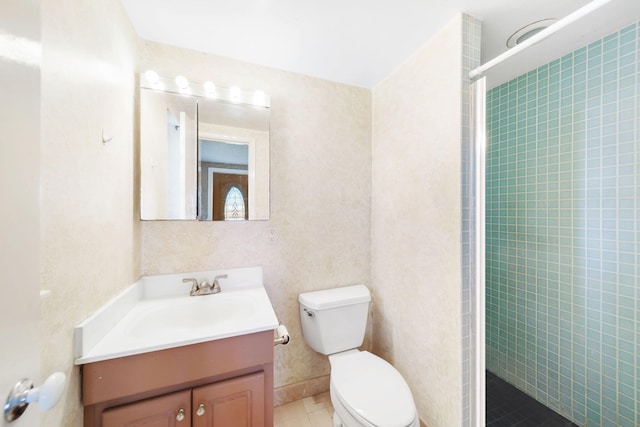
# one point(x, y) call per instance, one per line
point(157, 313)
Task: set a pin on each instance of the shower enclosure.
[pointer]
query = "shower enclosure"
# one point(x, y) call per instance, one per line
point(563, 231)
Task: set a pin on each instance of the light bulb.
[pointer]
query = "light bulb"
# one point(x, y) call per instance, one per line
point(235, 94)
point(182, 82)
point(209, 89)
point(152, 77)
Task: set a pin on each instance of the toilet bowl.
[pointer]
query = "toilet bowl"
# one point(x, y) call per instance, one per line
point(366, 391)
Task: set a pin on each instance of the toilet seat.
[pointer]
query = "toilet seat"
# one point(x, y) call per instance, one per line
point(372, 390)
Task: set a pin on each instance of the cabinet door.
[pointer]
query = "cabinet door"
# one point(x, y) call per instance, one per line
point(171, 410)
point(237, 402)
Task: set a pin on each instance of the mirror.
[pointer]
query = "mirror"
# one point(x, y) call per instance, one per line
point(168, 156)
point(204, 154)
point(233, 161)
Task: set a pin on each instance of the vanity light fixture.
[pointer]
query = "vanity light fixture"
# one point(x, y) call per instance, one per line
point(235, 94)
point(209, 89)
point(151, 80)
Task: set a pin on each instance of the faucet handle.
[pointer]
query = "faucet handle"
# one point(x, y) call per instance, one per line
point(195, 287)
point(222, 276)
point(216, 285)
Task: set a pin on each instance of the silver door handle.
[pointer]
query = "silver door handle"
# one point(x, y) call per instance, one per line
point(23, 393)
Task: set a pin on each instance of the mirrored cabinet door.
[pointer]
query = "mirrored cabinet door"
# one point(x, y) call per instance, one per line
point(168, 160)
point(233, 161)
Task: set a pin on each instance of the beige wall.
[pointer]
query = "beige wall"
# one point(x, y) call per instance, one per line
point(90, 238)
point(416, 219)
point(319, 232)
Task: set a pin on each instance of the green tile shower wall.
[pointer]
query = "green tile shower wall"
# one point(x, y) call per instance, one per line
point(563, 232)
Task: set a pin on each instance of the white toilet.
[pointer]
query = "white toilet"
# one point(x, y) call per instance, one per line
point(365, 390)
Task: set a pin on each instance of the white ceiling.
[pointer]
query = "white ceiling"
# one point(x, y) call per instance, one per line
point(358, 42)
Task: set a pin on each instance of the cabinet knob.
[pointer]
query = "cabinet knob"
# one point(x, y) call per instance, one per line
point(200, 411)
point(180, 415)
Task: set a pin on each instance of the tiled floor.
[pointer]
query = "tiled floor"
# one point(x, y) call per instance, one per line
point(507, 406)
point(314, 411)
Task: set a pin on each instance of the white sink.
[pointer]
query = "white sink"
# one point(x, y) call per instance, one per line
point(157, 312)
point(189, 314)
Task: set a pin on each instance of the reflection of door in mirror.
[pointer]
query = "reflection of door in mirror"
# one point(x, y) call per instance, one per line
point(225, 190)
point(179, 190)
point(229, 195)
point(168, 156)
point(233, 128)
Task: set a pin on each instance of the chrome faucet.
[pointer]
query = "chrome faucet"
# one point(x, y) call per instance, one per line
point(204, 288)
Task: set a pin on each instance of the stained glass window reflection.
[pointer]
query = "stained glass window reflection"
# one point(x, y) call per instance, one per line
point(234, 205)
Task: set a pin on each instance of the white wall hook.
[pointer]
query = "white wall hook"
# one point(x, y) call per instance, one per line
point(23, 393)
point(106, 137)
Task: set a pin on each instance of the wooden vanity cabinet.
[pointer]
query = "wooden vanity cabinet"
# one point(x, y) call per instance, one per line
point(222, 383)
point(234, 402)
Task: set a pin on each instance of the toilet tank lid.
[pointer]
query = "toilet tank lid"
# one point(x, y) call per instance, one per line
point(335, 297)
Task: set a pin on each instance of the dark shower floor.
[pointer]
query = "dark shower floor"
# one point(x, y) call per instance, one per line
point(507, 406)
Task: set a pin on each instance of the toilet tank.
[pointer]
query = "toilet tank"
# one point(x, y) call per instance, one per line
point(334, 320)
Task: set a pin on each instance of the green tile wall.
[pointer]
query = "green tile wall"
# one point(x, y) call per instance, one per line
point(563, 232)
